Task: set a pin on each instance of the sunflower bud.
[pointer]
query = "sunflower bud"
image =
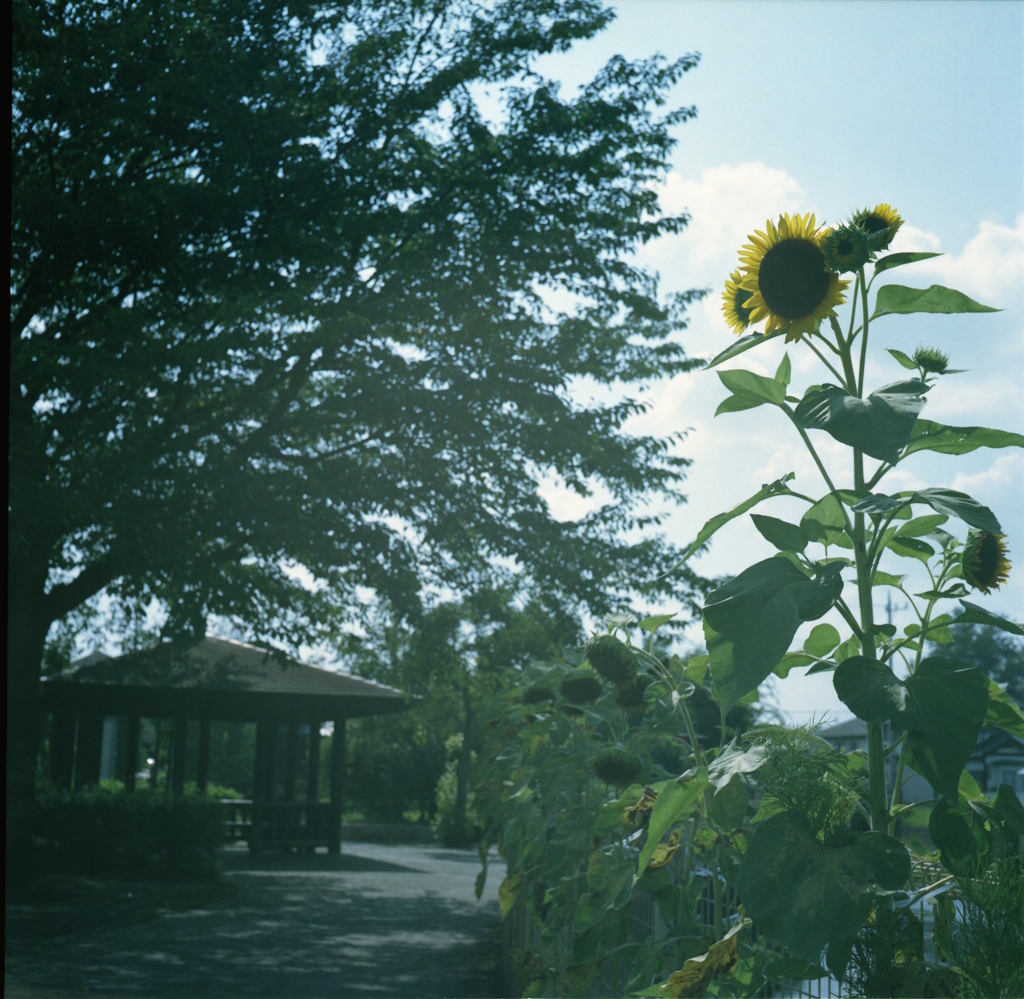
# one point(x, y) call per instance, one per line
point(984, 564)
point(581, 689)
point(931, 360)
point(538, 694)
point(881, 223)
point(847, 249)
point(617, 766)
point(612, 659)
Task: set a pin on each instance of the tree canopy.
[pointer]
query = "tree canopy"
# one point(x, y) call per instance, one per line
point(308, 293)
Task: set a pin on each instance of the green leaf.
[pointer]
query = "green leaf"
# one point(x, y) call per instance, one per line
point(792, 660)
point(752, 389)
point(959, 832)
point(851, 647)
point(825, 523)
point(911, 548)
point(784, 535)
point(776, 488)
point(879, 425)
point(742, 345)
point(822, 640)
point(1003, 711)
point(929, 436)
point(784, 372)
point(907, 362)
point(806, 894)
point(675, 801)
point(653, 623)
point(696, 669)
point(610, 884)
point(920, 526)
point(942, 705)
point(960, 505)
point(750, 622)
point(973, 614)
point(878, 504)
point(899, 259)
point(895, 298)
point(887, 579)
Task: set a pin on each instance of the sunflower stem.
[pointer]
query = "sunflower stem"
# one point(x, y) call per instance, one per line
point(864, 341)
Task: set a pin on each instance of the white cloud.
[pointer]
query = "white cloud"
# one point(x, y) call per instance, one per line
point(990, 267)
point(1005, 472)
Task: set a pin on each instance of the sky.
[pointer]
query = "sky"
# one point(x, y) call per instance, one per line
point(829, 108)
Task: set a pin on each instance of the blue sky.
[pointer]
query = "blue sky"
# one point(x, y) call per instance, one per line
point(831, 107)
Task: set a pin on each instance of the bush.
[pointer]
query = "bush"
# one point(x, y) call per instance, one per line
point(109, 829)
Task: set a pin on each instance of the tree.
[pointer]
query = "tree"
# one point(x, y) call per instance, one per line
point(296, 295)
point(996, 653)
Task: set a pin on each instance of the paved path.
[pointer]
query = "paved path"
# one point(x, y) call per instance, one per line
point(378, 921)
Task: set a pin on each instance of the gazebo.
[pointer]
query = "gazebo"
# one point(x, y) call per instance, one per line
point(212, 679)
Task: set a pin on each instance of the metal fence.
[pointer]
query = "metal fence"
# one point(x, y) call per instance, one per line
point(644, 923)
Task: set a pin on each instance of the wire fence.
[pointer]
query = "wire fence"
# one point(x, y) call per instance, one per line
point(521, 937)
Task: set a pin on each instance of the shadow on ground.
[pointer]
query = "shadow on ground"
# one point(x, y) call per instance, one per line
point(387, 921)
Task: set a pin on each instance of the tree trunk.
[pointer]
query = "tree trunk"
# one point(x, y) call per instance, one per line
point(27, 625)
point(462, 772)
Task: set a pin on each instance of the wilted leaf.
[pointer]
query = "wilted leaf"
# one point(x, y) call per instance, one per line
point(692, 980)
point(675, 801)
point(508, 892)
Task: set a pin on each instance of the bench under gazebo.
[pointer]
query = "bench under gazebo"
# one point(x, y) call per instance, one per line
point(211, 679)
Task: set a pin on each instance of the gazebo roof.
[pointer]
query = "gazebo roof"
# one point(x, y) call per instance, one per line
point(218, 679)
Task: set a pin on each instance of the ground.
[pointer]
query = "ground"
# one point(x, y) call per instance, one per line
point(380, 920)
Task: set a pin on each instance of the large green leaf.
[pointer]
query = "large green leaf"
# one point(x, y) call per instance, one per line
point(750, 390)
point(899, 259)
point(973, 614)
point(879, 425)
point(609, 884)
point(825, 522)
point(742, 345)
point(960, 505)
point(1003, 712)
point(781, 533)
point(942, 706)
point(806, 894)
point(776, 488)
point(750, 622)
point(929, 436)
point(896, 298)
point(675, 801)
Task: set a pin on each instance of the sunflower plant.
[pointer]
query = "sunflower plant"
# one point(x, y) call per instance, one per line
point(837, 892)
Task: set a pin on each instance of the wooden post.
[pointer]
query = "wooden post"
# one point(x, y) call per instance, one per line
point(313, 764)
point(203, 775)
point(131, 752)
point(291, 761)
point(179, 747)
point(259, 786)
point(337, 785)
point(62, 747)
point(89, 749)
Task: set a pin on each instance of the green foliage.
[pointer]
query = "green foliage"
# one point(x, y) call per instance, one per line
point(109, 829)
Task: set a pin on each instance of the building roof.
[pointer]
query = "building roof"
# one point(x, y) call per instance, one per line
point(852, 728)
point(216, 678)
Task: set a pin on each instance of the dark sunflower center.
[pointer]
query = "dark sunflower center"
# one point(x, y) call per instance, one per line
point(737, 301)
point(988, 560)
point(793, 281)
point(872, 224)
point(845, 245)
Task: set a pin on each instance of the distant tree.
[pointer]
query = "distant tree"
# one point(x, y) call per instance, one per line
point(996, 653)
point(301, 292)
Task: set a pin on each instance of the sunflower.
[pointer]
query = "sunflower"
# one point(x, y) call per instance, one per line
point(736, 314)
point(846, 248)
point(612, 659)
point(617, 766)
point(985, 565)
point(789, 281)
point(880, 223)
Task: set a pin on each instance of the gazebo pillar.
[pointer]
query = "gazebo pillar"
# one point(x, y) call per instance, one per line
point(337, 785)
point(90, 748)
point(313, 764)
point(291, 760)
point(131, 751)
point(264, 731)
point(62, 748)
point(203, 774)
point(179, 751)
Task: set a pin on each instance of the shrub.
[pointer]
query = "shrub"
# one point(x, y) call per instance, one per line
point(109, 829)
